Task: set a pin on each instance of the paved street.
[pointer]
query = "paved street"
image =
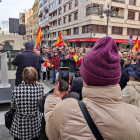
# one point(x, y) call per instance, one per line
point(4, 133)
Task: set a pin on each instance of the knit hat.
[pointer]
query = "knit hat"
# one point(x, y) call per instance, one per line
point(101, 65)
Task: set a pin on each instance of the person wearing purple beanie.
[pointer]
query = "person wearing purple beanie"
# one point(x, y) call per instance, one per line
point(115, 120)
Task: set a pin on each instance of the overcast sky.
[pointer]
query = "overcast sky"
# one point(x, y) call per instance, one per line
point(12, 8)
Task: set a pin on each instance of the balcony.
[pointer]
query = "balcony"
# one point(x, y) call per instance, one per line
point(40, 14)
point(118, 19)
point(118, 4)
point(119, 1)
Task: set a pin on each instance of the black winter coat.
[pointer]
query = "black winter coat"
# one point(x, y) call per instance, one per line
point(124, 79)
point(72, 64)
point(26, 59)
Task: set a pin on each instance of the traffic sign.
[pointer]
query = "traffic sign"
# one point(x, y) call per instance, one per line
point(131, 36)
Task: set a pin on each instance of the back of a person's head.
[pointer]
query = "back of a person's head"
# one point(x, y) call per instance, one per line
point(29, 45)
point(101, 65)
point(29, 75)
point(77, 85)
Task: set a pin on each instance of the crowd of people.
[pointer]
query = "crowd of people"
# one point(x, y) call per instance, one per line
point(106, 79)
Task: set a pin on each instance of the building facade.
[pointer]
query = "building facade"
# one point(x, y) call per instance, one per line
point(21, 18)
point(77, 16)
point(35, 19)
point(29, 25)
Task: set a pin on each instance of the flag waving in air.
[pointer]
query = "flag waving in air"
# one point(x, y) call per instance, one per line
point(60, 41)
point(39, 37)
point(136, 46)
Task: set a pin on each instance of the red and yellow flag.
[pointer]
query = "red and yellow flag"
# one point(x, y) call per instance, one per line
point(75, 57)
point(39, 37)
point(47, 64)
point(136, 46)
point(59, 41)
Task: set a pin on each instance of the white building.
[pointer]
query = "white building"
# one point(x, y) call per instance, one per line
point(76, 16)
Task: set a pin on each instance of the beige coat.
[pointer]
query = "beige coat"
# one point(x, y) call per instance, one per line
point(131, 93)
point(115, 119)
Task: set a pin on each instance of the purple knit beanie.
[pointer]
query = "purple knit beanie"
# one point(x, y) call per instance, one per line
point(101, 65)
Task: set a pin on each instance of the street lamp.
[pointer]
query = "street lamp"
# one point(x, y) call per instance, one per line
point(91, 29)
point(108, 13)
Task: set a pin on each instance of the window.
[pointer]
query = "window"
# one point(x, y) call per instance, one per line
point(54, 23)
point(69, 18)
point(89, 11)
point(95, 8)
point(76, 16)
point(75, 30)
point(133, 31)
point(60, 1)
point(97, 28)
point(132, 2)
point(59, 33)
point(70, 5)
point(76, 3)
point(64, 19)
point(60, 11)
point(131, 15)
point(54, 34)
point(69, 32)
point(59, 21)
point(117, 30)
point(64, 8)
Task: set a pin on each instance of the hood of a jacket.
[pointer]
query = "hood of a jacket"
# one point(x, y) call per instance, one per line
point(102, 94)
point(134, 84)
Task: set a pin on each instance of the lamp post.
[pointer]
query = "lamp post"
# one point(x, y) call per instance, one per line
point(108, 13)
point(91, 29)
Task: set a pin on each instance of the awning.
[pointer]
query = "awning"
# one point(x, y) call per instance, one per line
point(95, 39)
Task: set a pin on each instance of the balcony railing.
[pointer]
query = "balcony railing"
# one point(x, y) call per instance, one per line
point(119, 1)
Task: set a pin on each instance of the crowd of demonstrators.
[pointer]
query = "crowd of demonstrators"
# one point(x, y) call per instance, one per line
point(59, 57)
point(105, 79)
point(101, 94)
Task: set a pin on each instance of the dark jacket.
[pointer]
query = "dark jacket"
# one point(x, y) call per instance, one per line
point(72, 64)
point(63, 61)
point(41, 103)
point(77, 86)
point(124, 79)
point(49, 56)
point(40, 62)
point(138, 65)
point(26, 59)
point(128, 68)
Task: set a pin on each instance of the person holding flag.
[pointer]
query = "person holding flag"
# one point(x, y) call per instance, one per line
point(72, 61)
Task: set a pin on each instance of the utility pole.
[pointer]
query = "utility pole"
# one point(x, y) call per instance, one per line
point(108, 13)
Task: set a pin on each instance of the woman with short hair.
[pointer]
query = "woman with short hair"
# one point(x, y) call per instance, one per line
point(27, 118)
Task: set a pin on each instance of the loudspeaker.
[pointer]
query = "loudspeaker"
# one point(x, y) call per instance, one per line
point(22, 29)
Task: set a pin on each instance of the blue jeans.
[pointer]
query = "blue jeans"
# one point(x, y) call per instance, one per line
point(73, 74)
point(54, 72)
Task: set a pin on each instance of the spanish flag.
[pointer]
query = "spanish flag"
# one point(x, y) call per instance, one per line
point(47, 63)
point(75, 57)
point(136, 46)
point(39, 37)
point(59, 41)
